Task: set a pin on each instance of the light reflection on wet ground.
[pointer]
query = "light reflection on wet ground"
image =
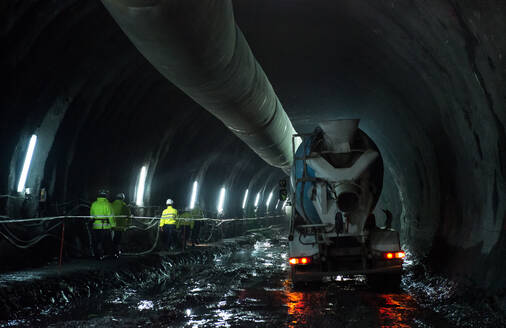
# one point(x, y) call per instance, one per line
point(249, 288)
point(396, 309)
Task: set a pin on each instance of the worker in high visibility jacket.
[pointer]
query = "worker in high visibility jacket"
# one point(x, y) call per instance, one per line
point(184, 226)
point(120, 210)
point(103, 221)
point(196, 213)
point(167, 225)
point(190, 228)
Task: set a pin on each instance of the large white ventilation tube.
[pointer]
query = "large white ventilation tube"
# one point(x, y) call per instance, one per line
point(197, 46)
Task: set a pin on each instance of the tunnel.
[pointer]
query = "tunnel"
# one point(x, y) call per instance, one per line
point(96, 110)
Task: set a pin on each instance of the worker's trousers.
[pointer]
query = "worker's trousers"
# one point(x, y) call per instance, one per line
point(195, 233)
point(167, 235)
point(102, 242)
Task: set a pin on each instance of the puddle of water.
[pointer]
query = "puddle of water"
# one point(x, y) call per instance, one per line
point(145, 305)
point(396, 310)
point(250, 288)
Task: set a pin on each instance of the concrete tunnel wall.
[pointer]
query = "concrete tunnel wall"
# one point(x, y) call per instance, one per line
point(427, 80)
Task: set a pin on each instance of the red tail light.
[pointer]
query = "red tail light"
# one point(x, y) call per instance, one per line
point(394, 255)
point(299, 260)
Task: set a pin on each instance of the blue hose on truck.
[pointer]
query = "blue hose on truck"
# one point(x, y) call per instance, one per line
point(302, 184)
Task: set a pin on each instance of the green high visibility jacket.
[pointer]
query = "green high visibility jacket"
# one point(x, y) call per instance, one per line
point(103, 210)
point(185, 219)
point(168, 216)
point(119, 207)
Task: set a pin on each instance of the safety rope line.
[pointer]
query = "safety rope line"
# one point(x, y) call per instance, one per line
point(153, 222)
point(104, 217)
point(201, 219)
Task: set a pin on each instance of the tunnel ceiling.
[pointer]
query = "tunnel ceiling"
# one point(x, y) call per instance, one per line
point(427, 80)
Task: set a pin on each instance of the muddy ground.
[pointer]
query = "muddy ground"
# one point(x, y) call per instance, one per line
point(245, 284)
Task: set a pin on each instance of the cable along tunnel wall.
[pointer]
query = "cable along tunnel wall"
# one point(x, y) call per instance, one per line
point(140, 238)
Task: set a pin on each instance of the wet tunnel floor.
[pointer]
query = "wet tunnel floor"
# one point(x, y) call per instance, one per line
point(247, 287)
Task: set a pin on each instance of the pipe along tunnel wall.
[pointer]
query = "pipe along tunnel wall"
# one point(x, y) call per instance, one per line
point(427, 80)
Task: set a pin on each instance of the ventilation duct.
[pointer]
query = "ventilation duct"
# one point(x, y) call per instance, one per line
point(197, 46)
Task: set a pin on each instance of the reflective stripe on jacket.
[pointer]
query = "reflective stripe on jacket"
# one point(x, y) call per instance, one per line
point(119, 207)
point(168, 216)
point(102, 207)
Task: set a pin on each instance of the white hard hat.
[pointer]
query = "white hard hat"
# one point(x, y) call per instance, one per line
point(169, 201)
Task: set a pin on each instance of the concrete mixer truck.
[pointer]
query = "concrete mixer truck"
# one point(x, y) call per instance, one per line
point(336, 180)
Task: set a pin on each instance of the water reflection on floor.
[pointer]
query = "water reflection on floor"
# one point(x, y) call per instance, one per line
point(246, 288)
point(396, 310)
point(263, 297)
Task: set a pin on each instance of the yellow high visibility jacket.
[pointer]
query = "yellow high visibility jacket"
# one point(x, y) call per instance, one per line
point(102, 207)
point(119, 207)
point(168, 216)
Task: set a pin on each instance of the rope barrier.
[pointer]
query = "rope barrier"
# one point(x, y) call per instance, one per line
point(14, 240)
point(132, 217)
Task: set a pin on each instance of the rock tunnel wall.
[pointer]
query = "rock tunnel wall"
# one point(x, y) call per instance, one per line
point(426, 78)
